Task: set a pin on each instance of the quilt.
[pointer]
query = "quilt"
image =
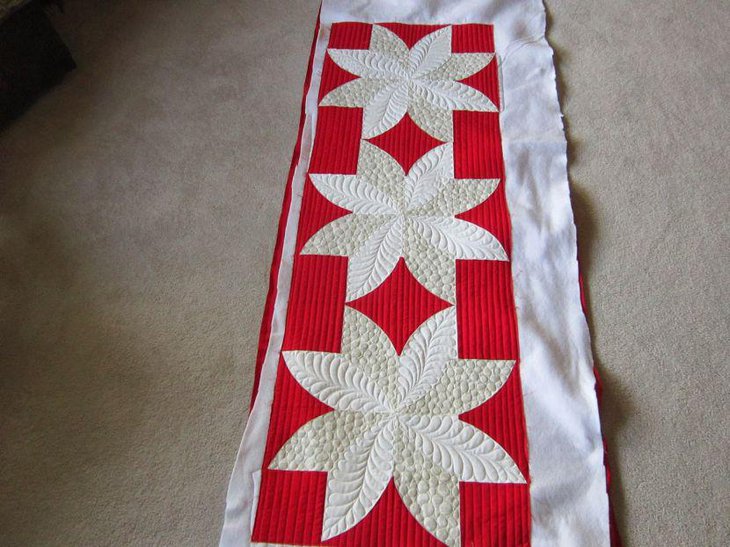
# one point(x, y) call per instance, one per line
point(424, 374)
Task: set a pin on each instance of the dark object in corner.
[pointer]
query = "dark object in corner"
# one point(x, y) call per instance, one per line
point(32, 59)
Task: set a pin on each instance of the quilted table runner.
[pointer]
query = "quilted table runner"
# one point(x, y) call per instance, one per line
point(424, 374)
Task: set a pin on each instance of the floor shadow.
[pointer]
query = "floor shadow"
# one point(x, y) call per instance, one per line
point(70, 395)
point(615, 406)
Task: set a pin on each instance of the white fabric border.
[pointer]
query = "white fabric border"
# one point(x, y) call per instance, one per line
point(569, 503)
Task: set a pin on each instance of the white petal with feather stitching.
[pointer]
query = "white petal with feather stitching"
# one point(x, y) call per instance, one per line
point(422, 81)
point(397, 417)
point(396, 215)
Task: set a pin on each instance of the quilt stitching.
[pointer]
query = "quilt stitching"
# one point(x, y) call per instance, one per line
point(397, 416)
point(394, 215)
point(422, 81)
point(392, 421)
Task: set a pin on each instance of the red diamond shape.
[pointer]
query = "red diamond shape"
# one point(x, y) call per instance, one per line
point(399, 305)
point(406, 142)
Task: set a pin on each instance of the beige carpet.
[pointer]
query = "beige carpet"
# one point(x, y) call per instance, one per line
point(138, 205)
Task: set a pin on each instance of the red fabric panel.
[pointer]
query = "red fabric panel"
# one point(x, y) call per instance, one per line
point(337, 143)
point(472, 38)
point(350, 36)
point(316, 324)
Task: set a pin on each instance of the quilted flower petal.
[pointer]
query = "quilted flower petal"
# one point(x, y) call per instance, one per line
point(428, 175)
point(381, 170)
point(354, 194)
point(335, 381)
point(354, 94)
point(457, 196)
point(375, 259)
point(366, 63)
point(460, 66)
point(430, 494)
point(426, 354)
point(358, 480)
point(465, 384)
point(434, 268)
point(387, 42)
point(459, 238)
point(430, 52)
point(362, 337)
point(385, 109)
point(344, 236)
point(437, 122)
point(460, 449)
point(451, 95)
point(318, 445)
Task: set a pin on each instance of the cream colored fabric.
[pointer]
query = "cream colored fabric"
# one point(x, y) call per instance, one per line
point(138, 209)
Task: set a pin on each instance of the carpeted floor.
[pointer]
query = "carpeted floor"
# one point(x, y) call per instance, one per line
point(139, 202)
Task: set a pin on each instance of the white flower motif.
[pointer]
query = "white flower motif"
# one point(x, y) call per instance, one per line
point(396, 215)
point(422, 81)
point(397, 416)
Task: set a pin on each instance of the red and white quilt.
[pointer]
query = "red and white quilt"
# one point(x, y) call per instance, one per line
point(424, 373)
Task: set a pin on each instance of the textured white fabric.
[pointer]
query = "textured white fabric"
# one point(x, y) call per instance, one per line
point(396, 416)
point(395, 215)
point(569, 504)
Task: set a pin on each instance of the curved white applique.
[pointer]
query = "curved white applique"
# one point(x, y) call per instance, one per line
point(397, 416)
point(412, 216)
point(423, 81)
